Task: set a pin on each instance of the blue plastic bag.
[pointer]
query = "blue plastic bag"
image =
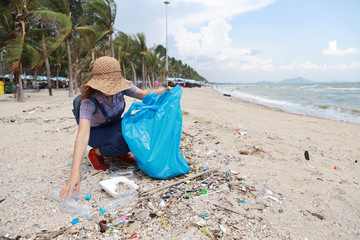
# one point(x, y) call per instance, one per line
point(153, 134)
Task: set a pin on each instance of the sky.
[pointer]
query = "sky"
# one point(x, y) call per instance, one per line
point(245, 41)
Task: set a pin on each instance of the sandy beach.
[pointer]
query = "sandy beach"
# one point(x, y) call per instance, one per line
point(273, 191)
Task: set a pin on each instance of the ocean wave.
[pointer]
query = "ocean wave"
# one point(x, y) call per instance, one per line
point(328, 111)
point(344, 89)
point(309, 86)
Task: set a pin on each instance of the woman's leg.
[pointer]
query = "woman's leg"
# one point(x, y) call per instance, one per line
point(108, 141)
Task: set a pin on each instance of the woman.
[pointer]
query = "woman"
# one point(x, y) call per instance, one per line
point(102, 133)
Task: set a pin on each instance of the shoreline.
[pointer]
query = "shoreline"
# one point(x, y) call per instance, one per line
point(263, 147)
point(278, 109)
point(296, 108)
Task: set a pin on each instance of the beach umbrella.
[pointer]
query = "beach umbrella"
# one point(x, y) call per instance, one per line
point(42, 78)
point(60, 79)
point(7, 76)
point(27, 77)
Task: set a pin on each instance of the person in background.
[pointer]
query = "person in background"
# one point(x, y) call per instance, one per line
point(104, 135)
point(156, 83)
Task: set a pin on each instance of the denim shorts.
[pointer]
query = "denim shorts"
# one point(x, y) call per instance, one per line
point(109, 140)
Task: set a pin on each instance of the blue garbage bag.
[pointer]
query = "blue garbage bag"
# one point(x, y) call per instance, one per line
point(152, 130)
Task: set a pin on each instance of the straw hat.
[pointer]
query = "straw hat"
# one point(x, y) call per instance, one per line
point(107, 77)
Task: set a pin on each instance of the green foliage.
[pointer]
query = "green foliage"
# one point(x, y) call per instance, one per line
point(88, 24)
point(101, 12)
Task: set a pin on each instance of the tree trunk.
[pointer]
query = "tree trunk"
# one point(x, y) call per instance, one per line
point(2, 62)
point(35, 77)
point(92, 56)
point(143, 73)
point(19, 88)
point(47, 65)
point(112, 45)
point(76, 70)
point(123, 69)
point(71, 85)
point(134, 72)
point(149, 81)
point(104, 48)
point(153, 79)
point(57, 78)
point(12, 76)
point(76, 75)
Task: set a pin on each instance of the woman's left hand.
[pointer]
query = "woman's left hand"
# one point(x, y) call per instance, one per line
point(168, 88)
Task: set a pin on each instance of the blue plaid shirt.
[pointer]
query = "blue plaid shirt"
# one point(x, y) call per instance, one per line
point(87, 107)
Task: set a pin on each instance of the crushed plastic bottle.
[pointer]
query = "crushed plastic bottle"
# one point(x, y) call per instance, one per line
point(129, 173)
point(73, 207)
point(55, 193)
point(121, 202)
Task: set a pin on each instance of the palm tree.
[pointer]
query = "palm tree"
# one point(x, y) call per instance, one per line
point(102, 13)
point(62, 6)
point(58, 59)
point(15, 41)
point(155, 65)
point(59, 28)
point(128, 52)
point(143, 51)
point(14, 17)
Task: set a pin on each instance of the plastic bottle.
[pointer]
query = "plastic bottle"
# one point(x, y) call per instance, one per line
point(73, 207)
point(55, 193)
point(124, 173)
point(129, 173)
point(121, 202)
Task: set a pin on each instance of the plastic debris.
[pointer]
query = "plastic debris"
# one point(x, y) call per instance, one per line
point(207, 232)
point(166, 219)
point(102, 210)
point(272, 198)
point(325, 165)
point(73, 207)
point(103, 226)
point(75, 221)
point(88, 196)
point(261, 193)
point(306, 154)
point(110, 186)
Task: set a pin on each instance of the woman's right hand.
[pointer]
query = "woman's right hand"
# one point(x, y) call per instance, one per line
point(74, 180)
point(81, 142)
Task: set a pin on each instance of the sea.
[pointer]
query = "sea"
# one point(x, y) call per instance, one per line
point(336, 101)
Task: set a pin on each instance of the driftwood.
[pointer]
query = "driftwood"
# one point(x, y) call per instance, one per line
point(29, 110)
point(182, 180)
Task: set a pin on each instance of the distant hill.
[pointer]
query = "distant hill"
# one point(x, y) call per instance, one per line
point(298, 80)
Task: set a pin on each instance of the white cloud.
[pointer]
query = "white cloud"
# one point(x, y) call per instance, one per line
point(211, 41)
point(207, 10)
point(348, 66)
point(333, 50)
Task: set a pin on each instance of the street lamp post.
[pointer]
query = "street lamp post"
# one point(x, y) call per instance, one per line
point(166, 48)
point(2, 62)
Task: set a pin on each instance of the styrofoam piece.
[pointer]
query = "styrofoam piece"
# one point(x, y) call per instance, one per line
point(109, 185)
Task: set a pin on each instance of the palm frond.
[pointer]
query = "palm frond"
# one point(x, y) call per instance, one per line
point(14, 47)
point(64, 28)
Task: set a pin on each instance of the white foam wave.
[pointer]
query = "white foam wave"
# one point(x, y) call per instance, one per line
point(344, 89)
point(333, 113)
